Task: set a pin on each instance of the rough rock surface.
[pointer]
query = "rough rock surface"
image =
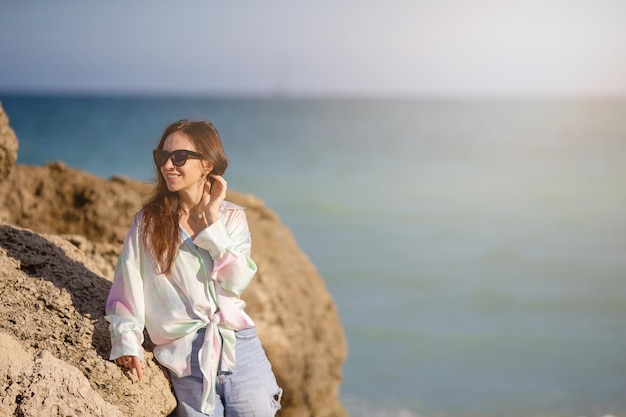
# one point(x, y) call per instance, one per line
point(53, 386)
point(61, 231)
point(8, 146)
point(52, 301)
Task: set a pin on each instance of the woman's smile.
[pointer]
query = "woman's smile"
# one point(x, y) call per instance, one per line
point(171, 175)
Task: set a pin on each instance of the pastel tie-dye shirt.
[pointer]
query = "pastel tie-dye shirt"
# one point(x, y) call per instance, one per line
point(202, 289)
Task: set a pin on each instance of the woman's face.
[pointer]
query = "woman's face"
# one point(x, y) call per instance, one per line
point(188, 176)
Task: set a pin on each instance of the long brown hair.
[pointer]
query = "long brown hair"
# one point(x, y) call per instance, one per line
point(161, 213)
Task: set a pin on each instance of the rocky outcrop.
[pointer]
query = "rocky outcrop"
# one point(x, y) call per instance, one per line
point(42, 385)
point(52, 298)
point(61, 231)
point(8, 146)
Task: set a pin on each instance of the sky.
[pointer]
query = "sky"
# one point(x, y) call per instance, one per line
point(323, 47)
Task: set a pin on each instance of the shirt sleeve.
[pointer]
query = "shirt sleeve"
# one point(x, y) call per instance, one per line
point(228, 243)
point(125, 308)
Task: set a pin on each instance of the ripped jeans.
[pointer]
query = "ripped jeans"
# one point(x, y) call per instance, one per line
point(250, 391)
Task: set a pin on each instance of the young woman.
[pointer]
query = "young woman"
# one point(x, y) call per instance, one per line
point(184, 264)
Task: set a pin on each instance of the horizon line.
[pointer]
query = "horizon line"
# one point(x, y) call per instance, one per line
point(180, 94)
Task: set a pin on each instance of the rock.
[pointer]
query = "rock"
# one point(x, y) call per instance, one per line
point(62, 200)
point(8, 146)
point(53, 302)
point(42, 385)
point(61, 235)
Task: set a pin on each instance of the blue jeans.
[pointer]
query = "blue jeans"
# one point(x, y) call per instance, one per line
point(250, 391)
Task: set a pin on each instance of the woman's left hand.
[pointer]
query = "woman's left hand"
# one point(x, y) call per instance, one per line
point(131, 362)
point(213, 197)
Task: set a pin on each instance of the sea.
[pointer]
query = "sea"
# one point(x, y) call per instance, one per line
point(475, 249)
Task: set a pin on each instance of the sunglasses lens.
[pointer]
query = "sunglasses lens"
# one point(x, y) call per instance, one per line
point(160, 157)
point(179, 158)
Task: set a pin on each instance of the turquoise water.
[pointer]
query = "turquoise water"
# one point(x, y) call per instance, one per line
point(475, 249)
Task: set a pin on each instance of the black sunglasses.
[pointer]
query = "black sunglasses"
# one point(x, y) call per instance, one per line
point(178, 157)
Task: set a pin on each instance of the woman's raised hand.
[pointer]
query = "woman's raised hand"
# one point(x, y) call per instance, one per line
point(214, 195)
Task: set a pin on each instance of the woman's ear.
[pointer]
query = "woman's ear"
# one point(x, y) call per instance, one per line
point(208, 168)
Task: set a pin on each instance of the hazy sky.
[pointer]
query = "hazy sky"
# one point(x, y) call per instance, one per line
point(418, 47)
